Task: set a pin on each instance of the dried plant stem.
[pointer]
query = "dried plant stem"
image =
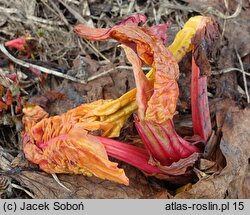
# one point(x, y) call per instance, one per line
point(58, 74)
point(225, 16)
point(60, 183)
point(113, 69)
point(81, 20)
point(44, 21)
point(232, 69)
point(76, 2)
point(210, 10)
point(130, 6)
point(101, 74)
point(6, 82)
point(23, 189)
point(11, 11)
point(244, 76)
point(48, 6)
point(76, 14)
point(57, 11)
point(97, 52)
point(177, 7)
point(40, 68)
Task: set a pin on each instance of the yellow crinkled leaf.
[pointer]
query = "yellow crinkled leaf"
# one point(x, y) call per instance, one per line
point(60, 144)
point(115, 105)
point(183, 39)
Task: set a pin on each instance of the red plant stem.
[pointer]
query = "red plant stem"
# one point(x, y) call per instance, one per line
point(154, 146)
point(199, 103)
point(182, 147)
point(132, 155)
point(162, 141)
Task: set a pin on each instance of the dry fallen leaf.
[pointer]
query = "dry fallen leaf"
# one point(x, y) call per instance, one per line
point(235, 147)
point(43, 185)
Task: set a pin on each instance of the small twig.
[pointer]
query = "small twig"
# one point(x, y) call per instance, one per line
point(6, 82)
point(29, 17)
point(244, 76)
point(73, 12)
point(45, 2)
point(59, 13)
point(178, 7)
point(210, 10)
point(225, 20)
point(60, 183)
point(229, 70)
point(40, 24)
point(224, 16)
point(9, 10)
point(58, 74)
point(73, 2)
point(96, 51)
point(155, 16)
point(101, 74)
point(40, 68)
point(130, 6)
point(113, 69)
point(45, 21)
point(226, 4)
point(21, 188)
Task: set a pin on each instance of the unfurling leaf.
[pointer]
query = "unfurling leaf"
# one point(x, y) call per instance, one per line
point(129, 36)
point(157, 132)
point(18, 43)
point(60, 144)
point(150, 49)
point(158, 31)
point(144, 87)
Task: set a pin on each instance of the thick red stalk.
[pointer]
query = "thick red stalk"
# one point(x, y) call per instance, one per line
point(132, 155)
point(162, 141)
point(182, 147)
point(199, 103)
point(154, 147)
